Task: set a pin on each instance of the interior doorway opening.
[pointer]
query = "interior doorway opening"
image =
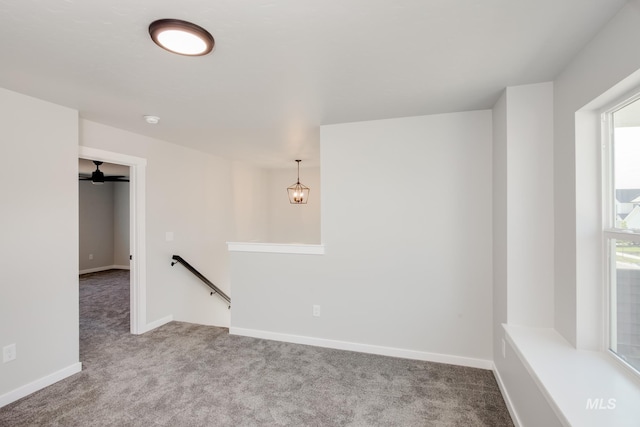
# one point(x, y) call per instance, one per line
point(136, 247)
point(104, 216)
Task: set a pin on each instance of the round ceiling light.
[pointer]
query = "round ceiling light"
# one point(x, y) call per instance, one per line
point(181, 37)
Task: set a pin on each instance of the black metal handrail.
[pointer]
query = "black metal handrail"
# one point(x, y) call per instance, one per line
point(216, 290)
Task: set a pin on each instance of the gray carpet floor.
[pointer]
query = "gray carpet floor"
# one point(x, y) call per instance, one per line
point(190, 375)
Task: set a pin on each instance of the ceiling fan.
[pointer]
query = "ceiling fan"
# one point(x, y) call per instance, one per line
point(98, 177)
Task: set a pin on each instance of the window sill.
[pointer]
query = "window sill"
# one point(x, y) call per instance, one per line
point(279, 248)
point(585, 388)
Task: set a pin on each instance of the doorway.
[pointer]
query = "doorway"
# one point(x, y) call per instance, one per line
point(137, 167)
point(104, 216)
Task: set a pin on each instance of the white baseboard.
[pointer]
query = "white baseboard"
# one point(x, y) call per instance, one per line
point(507, 398)
point(365, 348)
point(39, 384)
point(105, 268)
point(157, 323)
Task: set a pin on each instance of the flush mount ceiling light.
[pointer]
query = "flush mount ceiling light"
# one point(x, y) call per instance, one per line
point(181, 37)
point(298, 193)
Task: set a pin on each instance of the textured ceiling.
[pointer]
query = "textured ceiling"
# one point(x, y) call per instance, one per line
point(282, 68)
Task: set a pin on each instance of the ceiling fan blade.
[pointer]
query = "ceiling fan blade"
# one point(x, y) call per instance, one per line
point(115, 178)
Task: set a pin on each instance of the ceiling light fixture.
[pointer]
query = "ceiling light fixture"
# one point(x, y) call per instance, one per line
point(181, 37)
point(298, 193)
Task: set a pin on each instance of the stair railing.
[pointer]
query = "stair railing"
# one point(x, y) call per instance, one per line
point(215, 290)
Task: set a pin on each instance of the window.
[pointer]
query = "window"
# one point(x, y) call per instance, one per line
point(621, 168)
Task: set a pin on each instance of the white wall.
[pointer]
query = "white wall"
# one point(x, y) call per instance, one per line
point(530, 205)
point(523, 236)
point(500, 223)
point(287, 223)
point(250, 202)
point(188, 193)
point(96, 225)
point(408, 243)
point(104, 225)
point(608, 59)
point(39, 187)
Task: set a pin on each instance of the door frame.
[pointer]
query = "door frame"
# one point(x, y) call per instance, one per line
point(137, 240)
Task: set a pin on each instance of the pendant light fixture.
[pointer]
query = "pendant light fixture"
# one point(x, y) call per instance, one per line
point(298, 193)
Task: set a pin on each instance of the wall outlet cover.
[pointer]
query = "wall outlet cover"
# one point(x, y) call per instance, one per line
point(8, 353)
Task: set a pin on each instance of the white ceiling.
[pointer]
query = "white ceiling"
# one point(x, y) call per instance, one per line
point(282, 68)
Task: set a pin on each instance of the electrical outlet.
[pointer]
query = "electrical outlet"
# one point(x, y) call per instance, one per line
point(504, 348)
point(316, 311)
point(8, 353)
point(90, 256)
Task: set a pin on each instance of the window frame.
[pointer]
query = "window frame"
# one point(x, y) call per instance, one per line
point(610, 232)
